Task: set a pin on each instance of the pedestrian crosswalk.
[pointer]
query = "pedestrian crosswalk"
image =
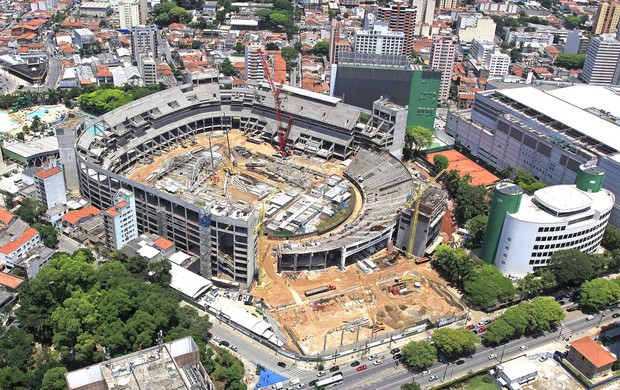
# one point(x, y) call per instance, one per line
point(295, 372)
point(565, 333)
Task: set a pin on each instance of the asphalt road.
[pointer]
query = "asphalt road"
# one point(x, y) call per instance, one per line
point(391, 375)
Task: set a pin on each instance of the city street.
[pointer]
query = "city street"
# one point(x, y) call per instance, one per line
point(390, 375)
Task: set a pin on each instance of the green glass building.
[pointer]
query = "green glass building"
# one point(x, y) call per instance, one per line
point(423, 96)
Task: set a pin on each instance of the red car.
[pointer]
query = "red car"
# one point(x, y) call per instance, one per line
point(470, 327)
point(362, 367)
point(482, 329)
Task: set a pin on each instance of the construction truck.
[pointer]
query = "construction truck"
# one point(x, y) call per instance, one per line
point(319, 290)
point(421, 260)
point(379, 326)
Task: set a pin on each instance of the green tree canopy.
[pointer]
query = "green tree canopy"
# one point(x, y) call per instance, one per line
point(455, 343)
point(471, 201)
point(239, 47)
point(227, 68)
point(611, 239)
point(321, 48)
point(417, 138)
point(30, 210)
point(570, 61)
point(440, 162)
point(572, 267)
point(48, 233)
point(527, 181)
point(476, 228)
point(456, 265)
point(419, 354)
point(54, 379)
point(104, 100)
point(15, 348)
point(486, 286)
point(572, 21)
point(599, 293)
point(533, 285)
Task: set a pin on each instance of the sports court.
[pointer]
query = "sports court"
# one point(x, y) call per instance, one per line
point(464, 166)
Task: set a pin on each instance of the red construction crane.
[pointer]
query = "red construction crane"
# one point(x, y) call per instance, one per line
point(283, 131)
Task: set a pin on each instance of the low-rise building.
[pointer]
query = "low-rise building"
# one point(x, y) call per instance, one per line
point(120, 220)
point(515, 373)
point(590, 358)
point(15, 247)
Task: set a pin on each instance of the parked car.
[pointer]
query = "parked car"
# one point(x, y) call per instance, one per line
point(615, 315)
point(234, 348)
point(425, 372)
point(482, 329)
point(590, 317)
point(334, 369)
point(395, 350)
point(523, 348)
point(432, 378)
point(397, 356)
point(362, 367)
point(492, 356)
point(224, 343)
point(300, 386)
point(355, 363)
point(372, 357)
point(470, 327)
point(459, 362)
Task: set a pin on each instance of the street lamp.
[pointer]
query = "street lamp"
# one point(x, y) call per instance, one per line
point(600, 320)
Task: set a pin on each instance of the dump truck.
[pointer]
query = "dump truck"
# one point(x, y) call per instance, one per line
point(319, 290)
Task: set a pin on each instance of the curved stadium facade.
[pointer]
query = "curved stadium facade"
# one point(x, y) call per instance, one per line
point(219, 232)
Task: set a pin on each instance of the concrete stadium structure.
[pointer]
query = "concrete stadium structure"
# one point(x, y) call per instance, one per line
point(221, 232)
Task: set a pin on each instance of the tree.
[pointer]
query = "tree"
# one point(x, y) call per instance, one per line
point(417, 138)
point(289, 53)
point(227, 68)
point(471, 201)
point(54, 379)
point(572, 267)
point(321, 48)
point(527, 181)
point(104, 100)
point(544, 313)
point(440, 162)
point(476, 228)
point(515, 55)
point(30, 210)
point(15, 348)
point(454, 265)
point(196, 45)
point(597, 294)
point(486, 286)
point(611, 238)
point(419, 355)
point(239, 47)
point(280, 19)
point(572, 21)
point(271, 46)
point(570, 61)
point(454, 343)
point(48, 233)
point(533, 285)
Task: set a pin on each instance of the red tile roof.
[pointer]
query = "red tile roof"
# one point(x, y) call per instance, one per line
point(592, 351)
point(26, 236)
point(103, 71)
point(47, 173)
point(163, 243)
point(10, 281)
point(6, 216)
point(121, 204)
point(74, 216)
point(112, 211)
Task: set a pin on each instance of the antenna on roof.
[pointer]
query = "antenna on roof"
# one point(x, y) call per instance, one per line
point(160, 342)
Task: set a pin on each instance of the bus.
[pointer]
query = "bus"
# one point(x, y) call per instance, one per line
point(329, 382)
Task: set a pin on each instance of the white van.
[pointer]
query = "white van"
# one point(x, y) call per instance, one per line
point(294, 381)
point(277, 386)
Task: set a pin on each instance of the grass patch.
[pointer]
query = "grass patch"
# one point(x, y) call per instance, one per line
point(479, 382)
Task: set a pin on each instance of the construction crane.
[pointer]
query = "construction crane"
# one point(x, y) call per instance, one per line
point(415, 201)
point(259, 230)
point(276, 90)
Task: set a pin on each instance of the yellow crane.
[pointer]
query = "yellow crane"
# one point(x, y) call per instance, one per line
point(259, 230)
point(415, 201)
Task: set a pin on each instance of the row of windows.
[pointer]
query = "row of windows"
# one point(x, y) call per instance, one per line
point(572, 235)
point(569, 244)
point(551, 229)
point(586, 247)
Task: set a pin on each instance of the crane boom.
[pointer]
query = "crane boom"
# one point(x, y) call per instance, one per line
point(283, 130)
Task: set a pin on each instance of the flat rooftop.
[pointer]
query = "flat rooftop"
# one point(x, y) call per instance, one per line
point(563, 198)
point(568, 113)
point(33, 148)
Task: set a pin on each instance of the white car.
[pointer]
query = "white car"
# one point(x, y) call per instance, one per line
point(377, 362)
point(590, 317)
point(432, 378)
point(523, 348)
point(425, 372)
point(320, 373)
point(372, 357)
point(301, 385)
point(492, 356)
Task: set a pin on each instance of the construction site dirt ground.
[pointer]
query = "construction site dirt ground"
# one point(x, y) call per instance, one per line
point(309, 319)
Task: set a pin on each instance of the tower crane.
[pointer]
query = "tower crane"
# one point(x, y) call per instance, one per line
point(276, 90)
point(415, 201)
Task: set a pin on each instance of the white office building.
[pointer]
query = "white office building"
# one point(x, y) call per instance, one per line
point(602, 64)
point(475, 25)
point(488, 54)
point(132, 13)
point(555, 218)
point(143, 40)
point(50, 187)
point(120, 223)
point(380, 40)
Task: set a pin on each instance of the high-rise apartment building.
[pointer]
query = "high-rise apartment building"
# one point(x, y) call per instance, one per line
point(443, 52)
point(488, 54)
point(400, 18)
point(50, 186)
point(380, 40)
point(143, 40)
point(148, 69)
point(119, 221)
point(424, 16)
point(132, 13)
point(334, 38)
point(444, 4)
point(254, 70)
point(475, 25)
point(601, 66)
point(607, 18)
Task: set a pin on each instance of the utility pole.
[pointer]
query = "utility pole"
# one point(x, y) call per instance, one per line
point(600, 320)
point(502, 357)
